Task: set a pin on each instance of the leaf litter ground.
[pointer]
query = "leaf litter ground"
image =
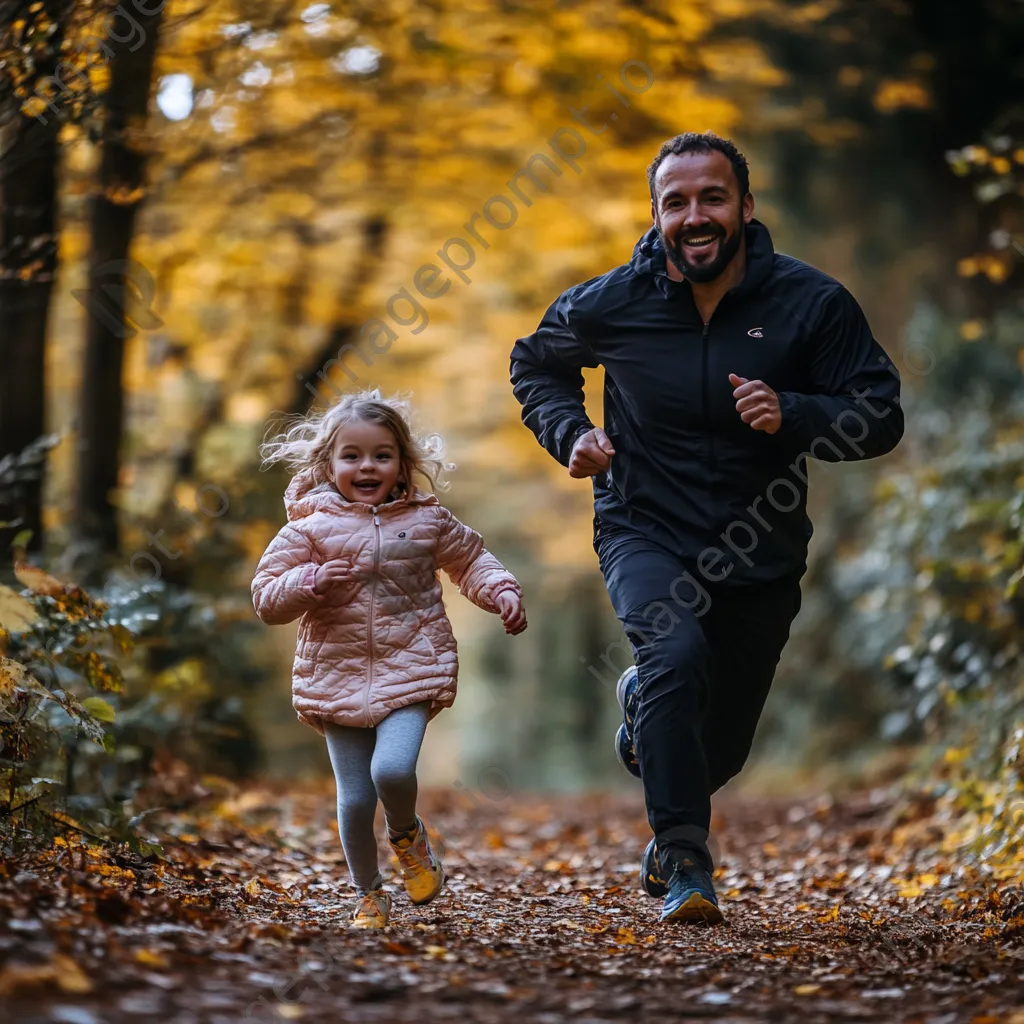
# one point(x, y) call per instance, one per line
point(835, 910)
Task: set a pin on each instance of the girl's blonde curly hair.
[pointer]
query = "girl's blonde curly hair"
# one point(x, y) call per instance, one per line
point(307, 442)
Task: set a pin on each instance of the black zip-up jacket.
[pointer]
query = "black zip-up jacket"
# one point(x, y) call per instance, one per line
point(687, 471)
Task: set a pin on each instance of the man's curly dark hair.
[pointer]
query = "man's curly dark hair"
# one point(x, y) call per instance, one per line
point(701, 142)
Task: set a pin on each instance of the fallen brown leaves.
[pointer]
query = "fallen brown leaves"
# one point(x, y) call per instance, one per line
point(828, 916)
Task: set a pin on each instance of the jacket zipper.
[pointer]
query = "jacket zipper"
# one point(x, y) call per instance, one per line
point(712, 460)
point(373, 599)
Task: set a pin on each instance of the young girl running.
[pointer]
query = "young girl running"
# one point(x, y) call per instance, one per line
point(376, 659)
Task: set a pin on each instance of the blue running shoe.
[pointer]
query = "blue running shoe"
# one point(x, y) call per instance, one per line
point(691, 894)
point(650, 873)
point(626, 695)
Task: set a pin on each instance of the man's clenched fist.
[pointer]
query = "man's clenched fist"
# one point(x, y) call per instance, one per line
point(592, 454)
point(756, 403)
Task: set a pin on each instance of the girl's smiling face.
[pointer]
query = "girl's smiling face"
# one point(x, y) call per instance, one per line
point(365, 463)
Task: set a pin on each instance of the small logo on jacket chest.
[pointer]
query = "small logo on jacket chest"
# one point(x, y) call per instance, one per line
point(756, 332)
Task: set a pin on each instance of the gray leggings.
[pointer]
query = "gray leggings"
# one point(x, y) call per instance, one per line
point(372, 763)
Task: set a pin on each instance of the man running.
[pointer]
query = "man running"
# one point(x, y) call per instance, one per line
point(727, 365)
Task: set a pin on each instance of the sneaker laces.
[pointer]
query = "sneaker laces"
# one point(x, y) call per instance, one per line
point(683, 864)
point(372, 904)
point(413, 849)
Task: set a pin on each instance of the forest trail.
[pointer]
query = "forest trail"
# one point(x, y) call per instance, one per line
point(834, 910)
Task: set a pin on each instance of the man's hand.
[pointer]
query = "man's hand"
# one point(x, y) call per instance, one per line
point(592, 454)
point(330, 573)
point(513, 615)
point(756, 403)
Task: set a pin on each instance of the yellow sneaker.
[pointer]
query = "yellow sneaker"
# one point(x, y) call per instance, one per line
point(373, 910)
point(422, 870)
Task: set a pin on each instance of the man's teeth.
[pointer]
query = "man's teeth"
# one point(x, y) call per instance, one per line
point(706, 240)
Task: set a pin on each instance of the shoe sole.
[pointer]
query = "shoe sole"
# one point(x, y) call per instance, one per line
point(620, 687)
point(368, 927)
point(695, 909)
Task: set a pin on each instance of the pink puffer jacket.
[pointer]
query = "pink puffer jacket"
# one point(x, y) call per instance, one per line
point(383, 640)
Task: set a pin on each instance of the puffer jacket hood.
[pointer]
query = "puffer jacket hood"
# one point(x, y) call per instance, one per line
point(379, 639)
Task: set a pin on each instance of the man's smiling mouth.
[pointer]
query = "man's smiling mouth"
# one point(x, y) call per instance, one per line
point(700, 241)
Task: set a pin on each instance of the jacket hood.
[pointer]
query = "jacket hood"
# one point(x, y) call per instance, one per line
point(649, 255)
point(305, 495)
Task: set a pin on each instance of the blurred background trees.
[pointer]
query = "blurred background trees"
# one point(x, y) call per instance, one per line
point(221, 196)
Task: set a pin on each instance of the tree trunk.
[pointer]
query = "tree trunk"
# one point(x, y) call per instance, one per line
point(28, 262)
point(375, 230)
point(116, 287)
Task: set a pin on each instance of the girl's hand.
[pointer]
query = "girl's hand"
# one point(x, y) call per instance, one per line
point(330, 573)
point(510, 606)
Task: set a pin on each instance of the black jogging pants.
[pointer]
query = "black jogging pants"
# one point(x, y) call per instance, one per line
point(706, 654)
